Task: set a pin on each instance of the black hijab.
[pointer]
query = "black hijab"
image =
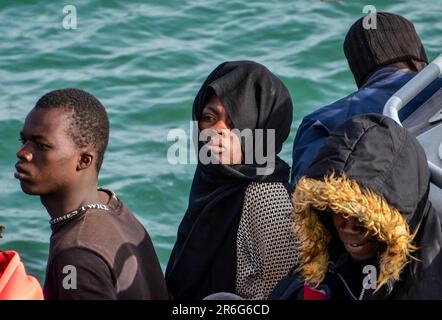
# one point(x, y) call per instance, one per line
point(203, 260)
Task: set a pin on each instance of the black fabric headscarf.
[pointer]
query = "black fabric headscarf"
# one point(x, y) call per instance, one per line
point(203, 260)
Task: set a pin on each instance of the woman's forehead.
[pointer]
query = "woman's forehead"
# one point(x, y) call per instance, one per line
point(214, 104)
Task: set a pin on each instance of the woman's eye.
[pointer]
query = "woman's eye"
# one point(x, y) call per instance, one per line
point(208, 118)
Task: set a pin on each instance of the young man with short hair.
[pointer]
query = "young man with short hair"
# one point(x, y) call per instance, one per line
point(98, 249)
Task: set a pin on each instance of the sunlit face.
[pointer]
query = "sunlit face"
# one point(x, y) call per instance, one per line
point(48, 157)
point(224, 144)
point(357, 241)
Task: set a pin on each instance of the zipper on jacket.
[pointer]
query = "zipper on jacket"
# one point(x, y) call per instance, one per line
point(361, 295)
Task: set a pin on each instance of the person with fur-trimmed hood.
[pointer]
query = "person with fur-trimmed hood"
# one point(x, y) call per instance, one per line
point(364, 202)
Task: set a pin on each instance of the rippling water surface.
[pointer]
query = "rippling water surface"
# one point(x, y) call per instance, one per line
point(145, 60)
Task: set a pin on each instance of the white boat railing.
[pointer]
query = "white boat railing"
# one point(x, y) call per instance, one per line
point(405, 94)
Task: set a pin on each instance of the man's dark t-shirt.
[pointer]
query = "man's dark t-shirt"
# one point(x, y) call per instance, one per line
point(103, 253)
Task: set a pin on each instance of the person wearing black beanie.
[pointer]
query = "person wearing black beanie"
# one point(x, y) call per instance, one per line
point(393, 40)
point(382, 57)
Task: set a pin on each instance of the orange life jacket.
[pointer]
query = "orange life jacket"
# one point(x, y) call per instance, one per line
point(15, 284)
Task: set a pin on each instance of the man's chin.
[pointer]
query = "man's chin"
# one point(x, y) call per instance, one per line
point(27, 188)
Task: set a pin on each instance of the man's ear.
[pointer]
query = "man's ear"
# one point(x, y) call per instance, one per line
point(416, 65)
point(86, 160)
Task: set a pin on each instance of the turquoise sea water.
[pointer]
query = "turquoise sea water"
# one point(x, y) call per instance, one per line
point(145, 60)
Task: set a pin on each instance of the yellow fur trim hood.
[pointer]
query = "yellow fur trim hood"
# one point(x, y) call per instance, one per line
point(341, 195)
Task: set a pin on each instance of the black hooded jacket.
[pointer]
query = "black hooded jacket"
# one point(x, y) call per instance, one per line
point(203, 260)
point(374, 170)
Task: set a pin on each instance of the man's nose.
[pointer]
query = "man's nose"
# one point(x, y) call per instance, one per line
point(24, 154)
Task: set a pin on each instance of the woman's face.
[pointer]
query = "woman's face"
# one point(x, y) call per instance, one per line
point(222, 143)
point(357, 241)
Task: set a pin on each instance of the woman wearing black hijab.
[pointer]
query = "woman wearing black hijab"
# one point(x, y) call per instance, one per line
point(235, 236)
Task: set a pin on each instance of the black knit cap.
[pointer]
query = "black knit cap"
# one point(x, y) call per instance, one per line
point(393, 40)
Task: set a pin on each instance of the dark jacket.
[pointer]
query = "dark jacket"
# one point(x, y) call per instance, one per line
point(370, 98)
point(374, 170)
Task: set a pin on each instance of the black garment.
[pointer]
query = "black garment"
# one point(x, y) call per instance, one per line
point(343, 281)
point(93, 277)
point(103, 254)
point(203, 260)
point(382, 156)
point(393, 40)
